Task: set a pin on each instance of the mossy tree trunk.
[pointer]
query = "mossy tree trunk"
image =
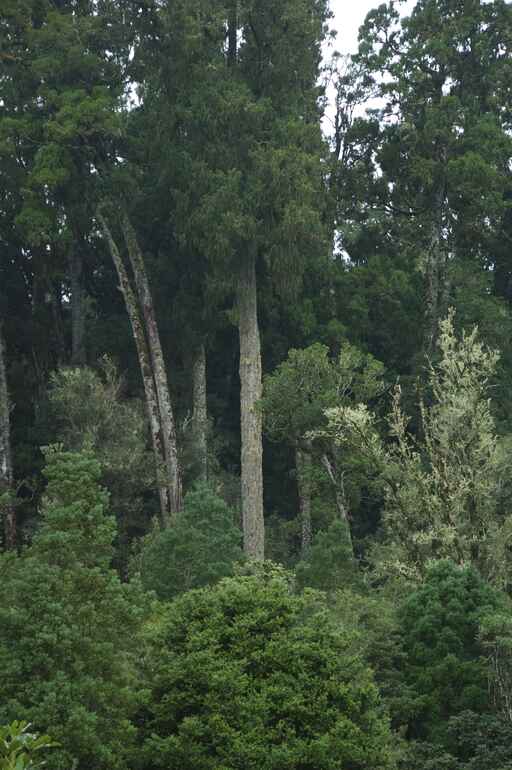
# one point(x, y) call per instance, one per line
point(200, 411)
point(303, 463)
point(250, 414)
point(167, 421)
point(150, 392)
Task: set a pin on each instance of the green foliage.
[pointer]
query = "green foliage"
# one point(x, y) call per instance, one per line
point(443, 494)
point(89, 410)
point(19, 748)
point(68, 626)
point(329, 564)
point(477, 742)
point(246, 674)
point(373, 614)
point(296, 398)
point(200, 547)
point(496, 639)
point(445, 665)
point(482, 741)
point(62, 70)
point(220, 158)
point(308, 382)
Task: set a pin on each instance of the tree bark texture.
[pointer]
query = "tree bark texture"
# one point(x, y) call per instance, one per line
point(336, 480)
point(6, 474)
point(303, 467)
point(158, 363)
point(250, 415)
point(200, 411)
point(77, 306)
point(146, 371)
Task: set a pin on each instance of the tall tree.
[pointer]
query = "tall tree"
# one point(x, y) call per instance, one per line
point(243, 112)
point(200, 411)
point(66, 73)
point(158, 368)
point(444, 136)
point(140, 311)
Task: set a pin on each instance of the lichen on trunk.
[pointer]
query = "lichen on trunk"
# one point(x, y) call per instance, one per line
point(146, 371)
point(338, 487)
point(303, 467)
point(200, 411)
point(250, 414)
point(167, 421)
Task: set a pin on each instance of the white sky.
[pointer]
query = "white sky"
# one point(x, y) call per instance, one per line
point(348, 17)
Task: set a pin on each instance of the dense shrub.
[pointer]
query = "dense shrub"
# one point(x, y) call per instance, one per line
point(201, 546)
point(68, 625)
point(445, 665)
point(247, 675)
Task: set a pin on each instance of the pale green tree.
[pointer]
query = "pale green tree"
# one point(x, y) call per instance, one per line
point(20, 748)
point(90, 409)
point(444, 493)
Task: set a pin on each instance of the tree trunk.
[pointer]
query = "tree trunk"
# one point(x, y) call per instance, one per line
point(146, 372)
point(436, 276)
point(60, 337)
point(159, 370)
point(303, 467)
point(232, 32)
point(6, 475)
point(200, 411)
point(250, 414)
point(77, 306)
point(336, 480)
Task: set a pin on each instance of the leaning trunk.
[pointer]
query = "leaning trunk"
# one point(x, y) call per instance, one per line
point(6, 475)
point(250, 414)
point(338, 486)
point(146, 371)
point(158, 364)
point(200, 412)
point(303, 468)
point(77, 306)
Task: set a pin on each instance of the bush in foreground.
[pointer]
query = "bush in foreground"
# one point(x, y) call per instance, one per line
point(248, 675)
point(68, 626)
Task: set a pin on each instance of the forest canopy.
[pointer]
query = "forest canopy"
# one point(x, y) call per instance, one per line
point(255, 401)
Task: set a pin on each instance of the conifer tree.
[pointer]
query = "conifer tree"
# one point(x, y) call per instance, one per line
point(442, 159)
point(68, 626)
point(246, 174)
point(247, 674)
